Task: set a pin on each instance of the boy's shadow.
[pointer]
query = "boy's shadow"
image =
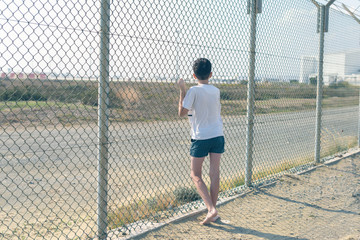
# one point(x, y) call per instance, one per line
point(221, 225)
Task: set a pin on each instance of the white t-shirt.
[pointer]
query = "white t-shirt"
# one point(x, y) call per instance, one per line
point(203, 103)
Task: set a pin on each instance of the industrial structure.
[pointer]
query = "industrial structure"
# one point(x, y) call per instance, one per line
point(342, 66)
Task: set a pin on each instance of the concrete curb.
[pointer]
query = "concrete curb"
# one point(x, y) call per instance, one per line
point(335, 159)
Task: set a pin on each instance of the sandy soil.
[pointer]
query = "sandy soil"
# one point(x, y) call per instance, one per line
point(321, 204)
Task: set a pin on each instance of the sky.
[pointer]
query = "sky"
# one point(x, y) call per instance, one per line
point(162, 38)
point(353, 5)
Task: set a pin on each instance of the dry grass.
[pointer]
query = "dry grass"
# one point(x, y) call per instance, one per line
point(153, 209)
point(231, 183)
point(128, 94)
point(334, 142)
point(146, 101)
point(160, 206)
point(238, 107)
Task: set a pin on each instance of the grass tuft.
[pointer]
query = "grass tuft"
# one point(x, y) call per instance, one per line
point(153, 209)
point(333, 142)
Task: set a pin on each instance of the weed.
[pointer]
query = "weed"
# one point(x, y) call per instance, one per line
point(145, 209)
point(155, 208)
point(333, 142)
point(186, 195)
point(231, 183)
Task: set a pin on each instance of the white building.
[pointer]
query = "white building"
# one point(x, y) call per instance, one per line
point(308, 66)
point(343, 66)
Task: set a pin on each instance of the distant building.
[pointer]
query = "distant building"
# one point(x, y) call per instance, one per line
point(353, 79)
point(32, 76)
point(21, 76)
point(343, 66)
point(308, 65)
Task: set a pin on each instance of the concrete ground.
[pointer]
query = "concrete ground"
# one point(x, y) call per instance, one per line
point(320, 204)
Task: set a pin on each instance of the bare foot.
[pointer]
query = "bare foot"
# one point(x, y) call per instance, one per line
point(209, 217)
point(215, 218)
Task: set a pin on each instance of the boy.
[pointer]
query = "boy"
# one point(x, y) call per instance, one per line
point(202, 105)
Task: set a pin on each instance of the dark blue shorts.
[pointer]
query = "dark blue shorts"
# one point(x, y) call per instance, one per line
point(201, 148)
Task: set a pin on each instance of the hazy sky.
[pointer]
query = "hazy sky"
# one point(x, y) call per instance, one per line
point(162, 38)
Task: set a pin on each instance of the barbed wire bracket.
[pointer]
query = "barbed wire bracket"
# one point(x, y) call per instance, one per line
point(326, 17)
point(258, 6)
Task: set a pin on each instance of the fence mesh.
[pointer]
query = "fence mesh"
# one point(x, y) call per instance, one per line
point(49, 105)
point(341, 112)
point(284, 140)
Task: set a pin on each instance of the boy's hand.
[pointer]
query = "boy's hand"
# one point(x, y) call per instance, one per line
point(182, 111)
point(181, 84)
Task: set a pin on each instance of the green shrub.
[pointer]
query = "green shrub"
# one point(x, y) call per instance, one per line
point(186, 195)
point(342, 89)
point(89, 97)
point(25, 93)
point(339, 85)
point(313, 80)
point(243, 82)
point(225, 95)
point(265, 94)
point(305, 91)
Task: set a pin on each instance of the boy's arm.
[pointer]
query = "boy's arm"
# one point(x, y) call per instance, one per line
point(182, 111)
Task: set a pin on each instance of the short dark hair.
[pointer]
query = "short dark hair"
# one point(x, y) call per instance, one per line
point(202, 68)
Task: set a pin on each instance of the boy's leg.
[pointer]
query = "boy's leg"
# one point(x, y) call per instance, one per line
point(214, 176)
point(196, 167)
point(215, 179)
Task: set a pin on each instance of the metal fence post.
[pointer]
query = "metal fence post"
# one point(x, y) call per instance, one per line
point(253, 8)
point(103, 120)
point(319, 85)
point(323, 18)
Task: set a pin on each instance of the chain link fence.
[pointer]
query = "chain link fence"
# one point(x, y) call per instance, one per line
point(91, 144)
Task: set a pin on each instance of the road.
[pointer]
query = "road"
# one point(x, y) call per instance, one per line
point(50, 173)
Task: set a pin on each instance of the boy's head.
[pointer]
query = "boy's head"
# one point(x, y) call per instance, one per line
point(202, 68)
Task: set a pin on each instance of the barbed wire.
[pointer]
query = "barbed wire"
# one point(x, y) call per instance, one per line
point(339, 5)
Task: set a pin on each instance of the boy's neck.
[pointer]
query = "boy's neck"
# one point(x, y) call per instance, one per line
point(203, 81)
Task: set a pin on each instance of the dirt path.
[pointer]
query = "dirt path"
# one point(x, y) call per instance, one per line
point(321, 204)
